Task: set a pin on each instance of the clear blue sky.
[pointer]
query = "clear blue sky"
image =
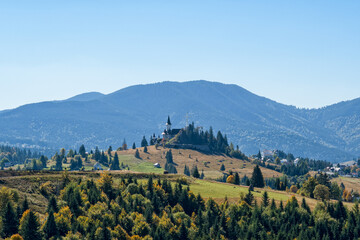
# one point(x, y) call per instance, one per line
point(303, 53)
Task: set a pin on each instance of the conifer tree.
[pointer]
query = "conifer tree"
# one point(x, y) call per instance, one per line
point(115, 165)
point(145, 149)
point(97, 154)
point(25, 205)
point(82, 151)
point(265, 199)
point(58, 162)
point(222, 168)
point(195, 172)
point(249, 198)
point(202, 175)
point(52, 206)
point(257, 179)
point(186, 171)
point(50, 228)
point(29, 226)
point(236, 179)
point(9, 221)
point(109, 150)
point(137, 154)
point(134, 146)
point(144, 142)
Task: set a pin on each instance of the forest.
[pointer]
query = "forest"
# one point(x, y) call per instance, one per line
point(157, 208)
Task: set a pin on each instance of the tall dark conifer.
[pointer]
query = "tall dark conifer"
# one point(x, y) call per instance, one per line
point(257, 179)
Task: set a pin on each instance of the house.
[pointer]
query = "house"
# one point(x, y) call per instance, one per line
point(97, 166)
point(267, 153)
point(168, 132)
point(157, 165)
point(284, 161)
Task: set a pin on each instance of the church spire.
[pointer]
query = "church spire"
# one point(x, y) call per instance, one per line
point(168, 121)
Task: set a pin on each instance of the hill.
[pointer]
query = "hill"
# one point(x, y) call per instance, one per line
point(250, 121)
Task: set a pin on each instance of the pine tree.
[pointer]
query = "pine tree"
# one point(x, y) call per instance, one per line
point(222, 168)
point(43, 161)
point(82, 151)
point(50, 228)
point(195, 172)
point(25, 205)
point(29, 226)
point(144, 142)
point(52, 206)
point(249, 198)
point(58, 162)
point(97, 154)
point(186, 170)
point(237, 179)
point(137, 154)
point(202, 175)
point(265, 199)
point(9, 221)
point(115, 165)
point(109, 150)
point(145, 149)
point(134, 146)
point(257, 178)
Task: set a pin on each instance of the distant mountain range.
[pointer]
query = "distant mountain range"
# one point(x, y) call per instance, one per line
point(250, 121)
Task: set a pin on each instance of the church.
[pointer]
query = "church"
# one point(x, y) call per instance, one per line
point(169, 133)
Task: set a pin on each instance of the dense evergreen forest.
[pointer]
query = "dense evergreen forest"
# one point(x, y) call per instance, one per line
point(160, 209)
point(217, 144)
point(16, 155)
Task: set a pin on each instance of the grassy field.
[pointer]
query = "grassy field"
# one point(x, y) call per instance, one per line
point(210, 164)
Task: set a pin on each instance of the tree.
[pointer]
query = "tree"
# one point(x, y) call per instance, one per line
point(144, 142)
point(222, 168)
point(335, 191)
point(9, 221)
point(58, 162)
point(249, 198)
point(124, 145)
point(82, 151)
point(186, 170)
point(29, 226)
point(109, 150)
point(145, 149)
point(257, 178)
point(265, 199)
point(323, 179)
point(97, 154)
point(43, 161)
point(321, 192)
point(230, 179)
point(195, 172)
point(202, 175)
point(293, 189)
point(309, 186)
point(137, 154)
point(52, 206)
point(50, 228)
point(115, 165)
point(134, 146)
point(258, 155)
point(25, 205)
point(237, 179)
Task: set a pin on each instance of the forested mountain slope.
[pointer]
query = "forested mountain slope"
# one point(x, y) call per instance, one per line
point(250, 121)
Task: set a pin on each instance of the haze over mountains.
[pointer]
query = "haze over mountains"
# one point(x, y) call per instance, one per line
point(250, 121)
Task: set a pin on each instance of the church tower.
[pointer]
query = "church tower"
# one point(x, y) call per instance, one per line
point(168, 124)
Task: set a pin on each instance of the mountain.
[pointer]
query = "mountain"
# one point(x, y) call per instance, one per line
point(86, 97)
point(250, 121)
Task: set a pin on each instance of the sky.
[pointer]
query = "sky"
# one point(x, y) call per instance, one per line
point(301, 53)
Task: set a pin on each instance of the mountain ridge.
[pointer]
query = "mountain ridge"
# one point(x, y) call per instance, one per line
point(253, 122)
